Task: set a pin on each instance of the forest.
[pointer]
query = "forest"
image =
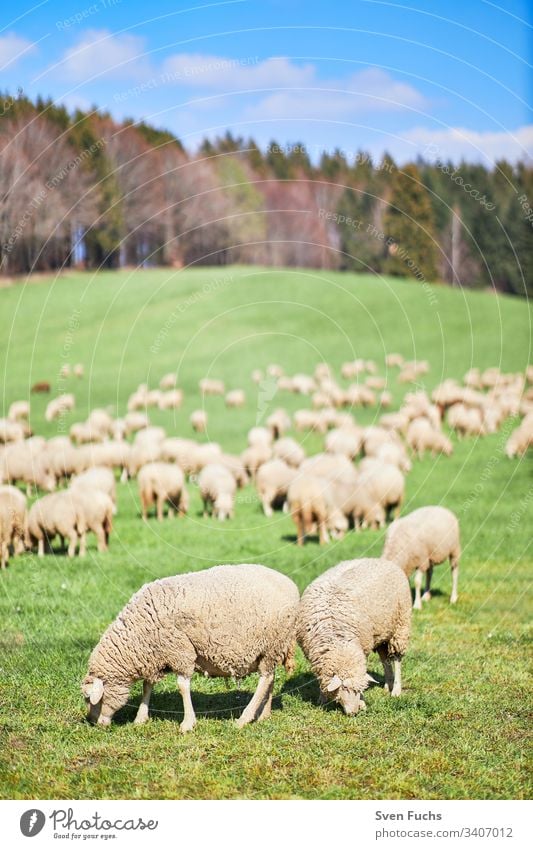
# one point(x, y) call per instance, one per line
point(81, 190)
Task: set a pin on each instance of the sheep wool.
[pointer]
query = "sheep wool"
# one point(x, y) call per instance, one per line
point(354, 608)
point(227, 621)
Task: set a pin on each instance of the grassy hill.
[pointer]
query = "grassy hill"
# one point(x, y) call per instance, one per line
point(459, 730)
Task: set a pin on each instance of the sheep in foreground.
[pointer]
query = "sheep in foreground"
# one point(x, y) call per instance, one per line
point(53, 515)
point(420, 541)
point(217, 488)
point(97, 509)
point(228, 621)
point(160, 484)
point(357, 607)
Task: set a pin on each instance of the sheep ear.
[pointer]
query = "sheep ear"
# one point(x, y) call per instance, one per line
point(96, 691)
point(334, 684)
point(371, 680)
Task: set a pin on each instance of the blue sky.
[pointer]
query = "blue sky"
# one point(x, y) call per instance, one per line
point(447, 79)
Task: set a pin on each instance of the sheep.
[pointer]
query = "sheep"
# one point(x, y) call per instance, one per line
point(135, 421)
point(209, 386)
point(11, 431)
point(83, 433)
point(273, 480)
point(385, 399)
point(168, 381)
point(354, 608)
point(254, 457)
point(234, 465)
point(59, 406)
point(395, 454)
point(288, 450)
point(227, 621)
point(309, 420)
point(235, 398)
point(359, 396)
point(328, 466)
point(101, 421)
point(198, 420)
point(278, 422)
point(162, 483)
point(521, 438)
point(171, 400)
point(379, 494)
point(259, 436)
point(27, 462)
point(78, 370)
point(13, 522)
point(344, 440)
point(273, 370)
point(394, 360)
point(57, 513)
point(97, 510)
point(420, 541)
point(97, 478)
point(65, 370)
point(217, 488)
point(466, 421)
point(421, 437)
point(311, 503)
point(42, 386)
point(18, 410)
point(257, 375)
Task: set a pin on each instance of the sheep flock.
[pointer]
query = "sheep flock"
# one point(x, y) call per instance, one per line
point(234, 619)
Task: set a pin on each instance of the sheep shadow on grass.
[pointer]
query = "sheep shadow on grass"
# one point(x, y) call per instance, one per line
point(168, 705)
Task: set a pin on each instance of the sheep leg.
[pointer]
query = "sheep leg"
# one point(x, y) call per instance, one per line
point(267, 509)
point(418, 586)
point(100, 539)
point(323, 537)
point(144, 507)
point(298, 518)
point(427, 594)
point(454, 563)
point(73, 541)
point(83, 544)
point(397, 688)
point(383, 653)
point(259, 699)
point(142, 713)
point(5, 554)
point(267, 709)
point(160, 505)
point(123, 475)
point(40, 547)
point(189, 719)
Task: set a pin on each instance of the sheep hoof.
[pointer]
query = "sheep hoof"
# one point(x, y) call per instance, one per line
point(453, 599)
point(426, 596)
point(187, 726)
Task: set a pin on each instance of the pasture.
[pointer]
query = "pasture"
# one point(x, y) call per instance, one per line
point(460, 729)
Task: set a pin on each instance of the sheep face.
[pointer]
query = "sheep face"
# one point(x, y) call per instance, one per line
point(344, 692)
point(103, 700)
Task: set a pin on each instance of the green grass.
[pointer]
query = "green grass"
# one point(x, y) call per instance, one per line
point(460, 729)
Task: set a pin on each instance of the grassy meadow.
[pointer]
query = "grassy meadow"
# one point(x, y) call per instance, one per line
point(460, 729)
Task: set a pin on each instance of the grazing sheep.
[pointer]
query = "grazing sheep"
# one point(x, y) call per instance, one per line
point(421, 540)
point(288, 450)
point(19, 410)
point(395, 454)
point(273, 480)
point(344, 440)
point(259, 436)
point(171, 400)
point(97, 478)
point(329, 466)
point(422, 437)
point(209, 386)
point(135, 421)
point(217, 488)
point(309, 420)
point(56, 514)
point(234, 465)
point(13, 522)
point(278, 422)
point(27, 462)
point(42, 386)
point(380, 493)
point(83, 433)
point(101, 421)
point(254, 457)
point(198, 420)
point(466, 421)
point(97, 509)
point(228, 621)
point(394, 360)
point(160, 484)
point(354, 608)
point(78, 370)
point(311, 504)
point(168, 381)
point(58, 406)
point(11, 431)
point(521, 438)
point(235, 398)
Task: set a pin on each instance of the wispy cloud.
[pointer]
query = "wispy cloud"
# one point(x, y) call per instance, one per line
point(458, 143)
point(222, 73)
point(99, 54)
point(13, 48)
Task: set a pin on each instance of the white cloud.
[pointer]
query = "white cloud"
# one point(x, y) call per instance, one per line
point(370, 90)
point(245, 72)
point(458, 143)
point(99, 53)
point(12, 48)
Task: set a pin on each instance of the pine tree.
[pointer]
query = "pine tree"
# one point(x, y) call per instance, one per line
point(410, 222)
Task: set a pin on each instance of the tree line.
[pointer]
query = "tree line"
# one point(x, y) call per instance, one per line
point(83, 190)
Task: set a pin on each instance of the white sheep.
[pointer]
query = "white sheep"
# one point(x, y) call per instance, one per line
point(217, 488)
point(19, 410)
point(228, 621)
point(99, 478)
point(421, 540)
point(357, 607)
point(235, 398)
point(288, 450)
point(273, 480)
point(97, 509)
point(160, 484)
point(198, 420)
point(56, 514)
